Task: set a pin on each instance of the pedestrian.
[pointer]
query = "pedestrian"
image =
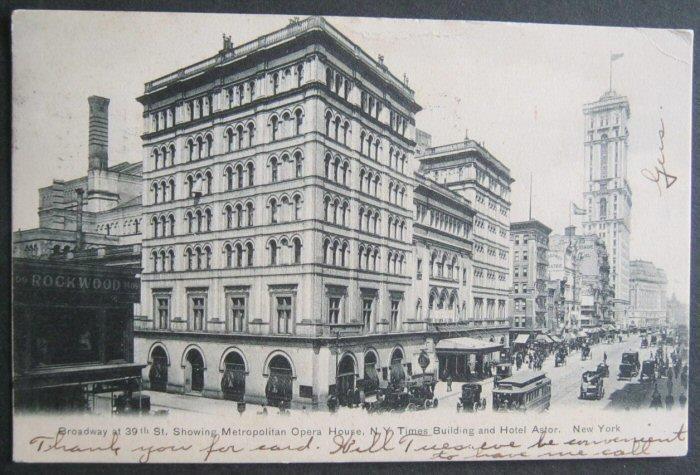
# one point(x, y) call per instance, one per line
point(449, 383)
point(605, 357)
point(669, 402)
point(682, 399)
point(263, 411)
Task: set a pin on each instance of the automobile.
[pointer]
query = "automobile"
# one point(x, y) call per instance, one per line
point(559, 359)
point(471, 400)
point(591, 385)
point(629, 365)
point(503, 371)
point(645, 343)
point(603, 370)
point(648, 372)
point(585, 353)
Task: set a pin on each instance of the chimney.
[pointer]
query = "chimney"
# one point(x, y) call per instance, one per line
point(97, 133)
point(79, 220)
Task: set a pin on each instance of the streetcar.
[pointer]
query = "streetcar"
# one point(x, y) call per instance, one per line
point(526, 391)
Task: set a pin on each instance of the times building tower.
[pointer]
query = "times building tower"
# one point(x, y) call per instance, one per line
point(607, 194)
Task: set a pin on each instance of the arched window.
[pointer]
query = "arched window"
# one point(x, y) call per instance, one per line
point(275, 83)
point(207, 254)
point(239, 136)
point(251, 173)
point(297, 250)
point(251, 134)
point(239, 175)
point(171, 220)
point(273, 253)
point(229, 178)
point(286, 124)
point(327, 165)
point(239, 255)
point(336, 135)
point(200, 147)
point(228, 250)
point(329, 78)
point(171, 255)
point(298, 121)
point(274, 169)
point(210, 145)
point(154, 222)
point(229, 140)
point(209, 180)
point(300, 74)
point(156, 158)
point(343, 253)
point(249, 207)
point(190, 259)
point(346, 129)
point(273, 211)
point(249, 254)
point(345, 168)
point(239, 216)
point(190, 150)
point(274, 125)
point(329, 118)
point(326, 206)
point(298, 162)
point(229, 216)
point(362, 142)
point(326, 244)
point(297, 207)
point(171, 182)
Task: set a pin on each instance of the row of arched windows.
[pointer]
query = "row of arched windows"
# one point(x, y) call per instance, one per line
point(337, 169)
point(239, 176)
point(163, 190)
point(338, 83)
point(338, 127)
point(163, 225)
point(198, 220)
point(444, 266)
point(239, 254)
point(286, 124)
point(239, 137)
point(164, 156)
point(284, 209)
point(396, 228)
point(369, 220)
point(335, 252)
point(369, 145)
point(368, 257)
point(397, 159)
point(200, 147)
point(397, 193)
point(286, 166)
point(283, 251)
point(127, 227)
point(395, 262)
point(198, 257)
point(336, 211)
point(438, 300)
point(370, 181)
point(239, 215)
point(163, 260)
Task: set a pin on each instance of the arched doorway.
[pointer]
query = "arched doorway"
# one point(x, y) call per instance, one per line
point(371, 379)
point(158, 374)
point(233, 380)
point(279, 381)
point(345, 380)
point(194, 371)
point(397, 375)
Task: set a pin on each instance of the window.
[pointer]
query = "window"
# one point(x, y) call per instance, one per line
point(367, 314)
point(394, 314)
point(274, 169)
point(274, 127)
point(237, 309)
point(297, 207)
point(198, 309)
point(333, 310)
point(297, 250)
point(284, 314)
point(162, 302)
point(273, 253)
point(273, 211)
point(298, 160)
point(298, 121)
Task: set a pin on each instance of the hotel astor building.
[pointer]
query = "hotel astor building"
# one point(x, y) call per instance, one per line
point(292, 249)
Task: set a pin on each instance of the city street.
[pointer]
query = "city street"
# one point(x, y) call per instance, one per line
point(566, 381)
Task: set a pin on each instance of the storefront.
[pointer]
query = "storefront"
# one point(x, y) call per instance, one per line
point(72, 333)
point(466, 359)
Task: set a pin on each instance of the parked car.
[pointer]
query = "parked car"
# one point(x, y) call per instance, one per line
point(648, 372)
point(591, 385)
point(629, 366)
point(471, 399)
point(603, 370)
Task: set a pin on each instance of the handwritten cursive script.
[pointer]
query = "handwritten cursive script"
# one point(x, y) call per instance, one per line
point(655, 174)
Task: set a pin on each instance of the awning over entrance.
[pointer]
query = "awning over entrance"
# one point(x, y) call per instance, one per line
point(522, 339)
point(463, 344)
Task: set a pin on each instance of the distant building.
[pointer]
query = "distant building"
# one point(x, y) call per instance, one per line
point(100, 211)
point(564, 273)
point(608, 198)
point(677, 311)
point(648, 295)
point(530, 244)
point(596, 294)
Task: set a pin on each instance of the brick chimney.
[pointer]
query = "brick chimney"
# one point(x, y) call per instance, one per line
point(97, 133)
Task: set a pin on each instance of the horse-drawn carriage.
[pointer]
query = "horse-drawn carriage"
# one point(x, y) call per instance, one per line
point(585, 352)
point(471, 400)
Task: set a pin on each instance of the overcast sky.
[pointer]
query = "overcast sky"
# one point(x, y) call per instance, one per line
point(519, 88)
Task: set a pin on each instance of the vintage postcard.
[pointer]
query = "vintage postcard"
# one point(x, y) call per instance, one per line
point(253, 238)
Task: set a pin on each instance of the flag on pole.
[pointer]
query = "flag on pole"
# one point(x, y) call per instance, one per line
point(615, 56)
point(577, 210)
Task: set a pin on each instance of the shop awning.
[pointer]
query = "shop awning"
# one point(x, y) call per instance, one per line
point(522, 338)
point(543, 339)
point(466, 344)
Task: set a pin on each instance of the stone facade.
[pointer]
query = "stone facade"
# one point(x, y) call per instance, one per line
point(648, 295)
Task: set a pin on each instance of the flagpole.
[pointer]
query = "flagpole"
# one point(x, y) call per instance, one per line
point(611, 61)
point(530, 213)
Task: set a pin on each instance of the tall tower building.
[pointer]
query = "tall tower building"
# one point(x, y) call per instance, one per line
point(608, 196)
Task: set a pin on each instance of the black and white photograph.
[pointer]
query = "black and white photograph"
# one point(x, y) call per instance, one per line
point(280, 238)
